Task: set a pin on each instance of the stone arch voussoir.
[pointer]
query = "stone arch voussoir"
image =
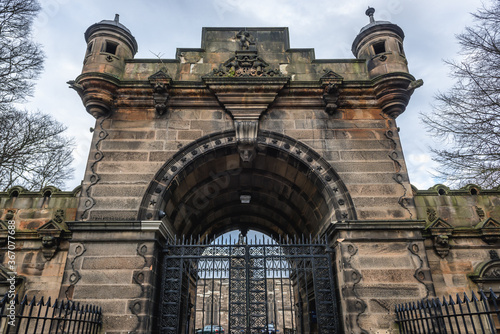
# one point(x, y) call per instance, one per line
point(318, 170)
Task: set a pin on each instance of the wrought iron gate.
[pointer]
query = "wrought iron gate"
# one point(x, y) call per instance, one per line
point(248, 287)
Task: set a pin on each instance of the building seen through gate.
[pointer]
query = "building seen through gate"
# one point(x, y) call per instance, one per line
point(246, 133)
point(249, 286)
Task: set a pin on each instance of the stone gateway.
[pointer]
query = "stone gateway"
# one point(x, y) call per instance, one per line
point(248, 135)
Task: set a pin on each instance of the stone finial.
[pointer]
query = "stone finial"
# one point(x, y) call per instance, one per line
point(117, 18)
point(369, 12)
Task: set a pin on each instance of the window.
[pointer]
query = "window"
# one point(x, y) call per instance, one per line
point(379, 47)
point(110, 47)
point(401, 51)
point(89, 48)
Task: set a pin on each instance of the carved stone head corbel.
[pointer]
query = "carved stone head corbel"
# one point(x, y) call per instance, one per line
point(160, 82)
point(50, 234)
point(331, 82)
point(440, 232)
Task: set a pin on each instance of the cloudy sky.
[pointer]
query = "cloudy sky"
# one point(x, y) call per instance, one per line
point(328, 26)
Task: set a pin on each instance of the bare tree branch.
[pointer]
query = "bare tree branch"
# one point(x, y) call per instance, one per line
point(33, 151)
point(467, 117)
point(21, 59)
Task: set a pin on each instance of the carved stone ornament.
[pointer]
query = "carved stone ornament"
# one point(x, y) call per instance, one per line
point(246, 41)
point(440, 232)
point(487, 275)
point(246, 134)
point(490, 230)
point(50, 234)
point(160, 81)
point(245, 64)
point(331, 82)
point(431, 215)
point(245, 88)
point(4, 233)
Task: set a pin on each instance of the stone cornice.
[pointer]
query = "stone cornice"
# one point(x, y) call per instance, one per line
point(121, 226)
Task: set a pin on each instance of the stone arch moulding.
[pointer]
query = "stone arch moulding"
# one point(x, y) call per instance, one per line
point(314, 167)
point(488, 275)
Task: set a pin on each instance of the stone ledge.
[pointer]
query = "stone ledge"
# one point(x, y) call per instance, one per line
point(380, 230)
point(122, 226)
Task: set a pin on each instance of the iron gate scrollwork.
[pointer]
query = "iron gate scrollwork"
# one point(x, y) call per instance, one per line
point(248, 287)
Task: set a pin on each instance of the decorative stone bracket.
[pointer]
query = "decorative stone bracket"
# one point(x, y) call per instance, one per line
point(440, 232)
point(160, 81)
point(490, 230)
point(393, 92)
point(98, 92)
point(331, 82)
point(50, 234)
point(4, 231)
point(245, 88)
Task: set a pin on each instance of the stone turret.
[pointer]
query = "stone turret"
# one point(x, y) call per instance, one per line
point(380, 43)
point(109, 45)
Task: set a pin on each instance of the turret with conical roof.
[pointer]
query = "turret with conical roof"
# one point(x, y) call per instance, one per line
point(109, 45)
point(380, 43)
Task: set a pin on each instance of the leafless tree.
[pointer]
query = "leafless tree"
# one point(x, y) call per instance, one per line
point(467, 117)
point(33, 151)
point(21, 59)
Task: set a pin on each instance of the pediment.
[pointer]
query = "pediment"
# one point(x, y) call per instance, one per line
point(331, 75)
point(161, 76)
point(489, 223)
point(50, 226)
point(331, 78)
point(439, 223)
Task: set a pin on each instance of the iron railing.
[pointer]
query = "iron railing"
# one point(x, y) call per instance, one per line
point(39, 317)
point(448, 316)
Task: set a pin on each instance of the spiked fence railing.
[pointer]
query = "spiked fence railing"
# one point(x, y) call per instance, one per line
point(32, 317)
point(451, 315)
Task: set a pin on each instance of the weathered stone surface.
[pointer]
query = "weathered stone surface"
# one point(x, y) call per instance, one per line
point(113, 262)
point(309, 168)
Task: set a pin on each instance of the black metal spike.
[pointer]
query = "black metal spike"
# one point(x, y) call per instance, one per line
point(25, 300)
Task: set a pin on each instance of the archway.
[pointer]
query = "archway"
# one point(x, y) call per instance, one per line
point(287, 190)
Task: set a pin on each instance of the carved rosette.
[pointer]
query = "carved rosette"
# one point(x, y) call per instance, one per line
point(160, 81)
